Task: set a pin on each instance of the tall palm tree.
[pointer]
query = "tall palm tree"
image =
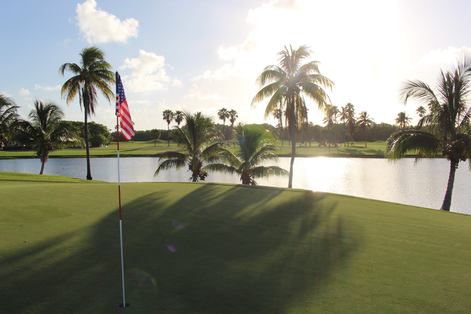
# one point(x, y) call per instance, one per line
point(178, 117)
point(8, 119)
point(253, 150)
point(330, 115)
point(278, 115)
point(402, 120)
point(168, 116)
point(448, 119)
point(364, 122)
point(347, 115)
point(92, 76)
point(232, 119)
point(201, 146)
point(288, 83)
point(223, 114)
point(421, 111)
point(45, 131)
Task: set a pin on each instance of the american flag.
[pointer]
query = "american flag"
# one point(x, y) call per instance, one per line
point(122, 111)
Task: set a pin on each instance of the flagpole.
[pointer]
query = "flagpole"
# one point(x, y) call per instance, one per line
point(123, 305)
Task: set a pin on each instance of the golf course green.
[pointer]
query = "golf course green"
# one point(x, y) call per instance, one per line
point(209, 248)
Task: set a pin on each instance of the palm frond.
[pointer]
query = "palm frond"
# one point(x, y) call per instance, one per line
point(266, 91)
point(170, 164)
point(402, 142)
point(271, 73)
point(316, 93)
point(418, 90)
point(275, 101)
point(219, 167)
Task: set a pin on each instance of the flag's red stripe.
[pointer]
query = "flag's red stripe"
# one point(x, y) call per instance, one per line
point(127, 128)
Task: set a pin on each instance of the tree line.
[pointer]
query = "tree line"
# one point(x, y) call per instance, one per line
point(443, 129)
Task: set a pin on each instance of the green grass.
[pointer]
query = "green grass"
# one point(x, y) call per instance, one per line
point(238, 250)
point(357, 149)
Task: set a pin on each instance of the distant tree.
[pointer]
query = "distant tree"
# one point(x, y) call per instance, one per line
point(232, 119)
point(8, 119)
point(347, 116)
point(421, 111)
point(402, 120)
point(223, 114)
point(200, 144)
point(45, 131)
point(448, 120)
point(288, 83)
point(253, 151)
point(168, 117)
point(364, 122)
point(93, 75)
point(99, 134)
point(278, 115)
point(331, 113)
point(155, 135)
point(178, 117)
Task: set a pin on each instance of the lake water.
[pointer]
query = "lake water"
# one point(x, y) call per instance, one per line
point(404, 181)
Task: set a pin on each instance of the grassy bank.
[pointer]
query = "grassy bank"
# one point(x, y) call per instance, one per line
point(136, 149)
point(225, 249)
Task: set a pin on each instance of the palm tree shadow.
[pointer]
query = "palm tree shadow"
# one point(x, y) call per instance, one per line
point(214, 250)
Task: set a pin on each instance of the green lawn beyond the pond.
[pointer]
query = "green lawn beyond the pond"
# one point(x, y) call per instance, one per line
point(128, 149)
point(207, 248)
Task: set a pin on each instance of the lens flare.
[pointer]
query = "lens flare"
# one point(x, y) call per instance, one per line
point(172, 248)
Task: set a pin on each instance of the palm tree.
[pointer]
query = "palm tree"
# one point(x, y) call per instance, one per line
point(278, 115)
point(178, 117)
point(402, 120)
point(253, 150)
point(46, 131)
point(448, 118)
point(201, 146)
point(364, 122)
point(347, 115)
point(288, 83)
point(8, 119)
point(421, 111)
point(232, 119)
point(168, 117)
point(93, 75)
point(223, 114)
point(330, 115)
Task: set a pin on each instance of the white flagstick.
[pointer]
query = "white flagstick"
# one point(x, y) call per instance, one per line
point(120, 215)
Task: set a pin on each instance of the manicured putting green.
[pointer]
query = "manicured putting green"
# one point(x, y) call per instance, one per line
point(206, 248)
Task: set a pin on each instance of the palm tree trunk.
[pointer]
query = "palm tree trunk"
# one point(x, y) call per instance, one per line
point(87, 148)
point(168, 134)
point(42, 167)
point(449, 188)
point(293, 153)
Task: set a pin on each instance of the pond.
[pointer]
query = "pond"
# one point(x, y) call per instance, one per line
point(404, 181)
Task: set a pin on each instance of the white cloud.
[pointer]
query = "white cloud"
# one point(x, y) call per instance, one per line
point(429, 66)
point(98, 26)
point(6, 94)
point(24, 92)
point(47, 88)
point(147, 73)
point(359, 45)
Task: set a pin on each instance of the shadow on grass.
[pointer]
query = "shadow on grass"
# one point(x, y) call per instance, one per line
point(229, 250)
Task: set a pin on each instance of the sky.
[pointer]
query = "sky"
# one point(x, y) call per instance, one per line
point(205, 55)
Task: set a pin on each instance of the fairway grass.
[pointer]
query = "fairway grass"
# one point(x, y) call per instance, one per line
point(149, 148)
point(208, 248)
